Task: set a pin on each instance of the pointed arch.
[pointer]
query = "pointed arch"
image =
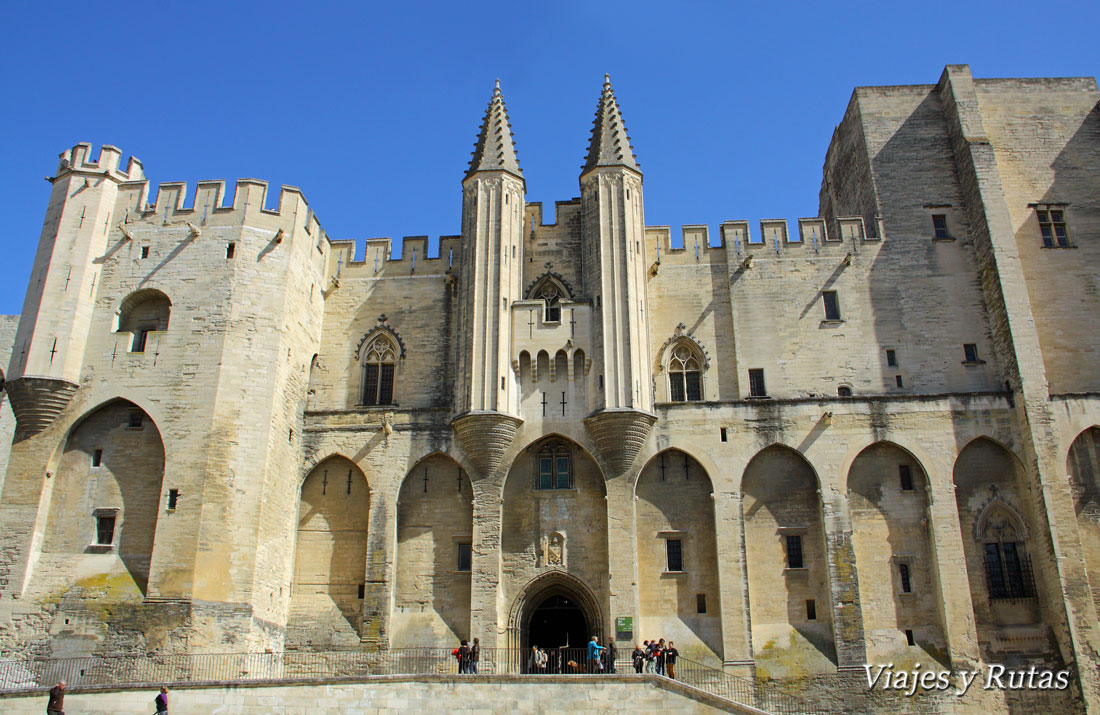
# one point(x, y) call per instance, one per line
point(434, 539)
point(546, 585)
point(379, 352)
point(552, 289)
point(1083, 471)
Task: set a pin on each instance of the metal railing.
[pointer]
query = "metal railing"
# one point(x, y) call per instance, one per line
point(154, 669)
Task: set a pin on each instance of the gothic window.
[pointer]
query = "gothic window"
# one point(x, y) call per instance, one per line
point(685, 372)
point(552, 298)
point(1007, 567)
point(554, 466)
point(379, 363)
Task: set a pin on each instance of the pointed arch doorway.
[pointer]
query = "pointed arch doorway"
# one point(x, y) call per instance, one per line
point(555, 610)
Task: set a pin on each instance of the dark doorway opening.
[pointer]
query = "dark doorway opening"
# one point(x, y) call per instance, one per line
point(558, 622)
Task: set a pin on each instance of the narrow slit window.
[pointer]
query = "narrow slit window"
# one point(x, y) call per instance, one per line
point(909, 639)
point(362, 588)
point(97, 458)
point(173, 499)
point(144, 251)
point(903, 575)
point(700, 603)
point(465, 557)
point(811, 609)
point(722, 434)
point(898, 381)
point(230, 250)
point(891, 358)
point(905, 473)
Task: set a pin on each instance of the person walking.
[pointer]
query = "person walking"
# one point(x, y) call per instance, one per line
point(638, 658)
point(56, 705)
point(670, 660)
point(594, 649)
point(475, 655)
point(162, 701)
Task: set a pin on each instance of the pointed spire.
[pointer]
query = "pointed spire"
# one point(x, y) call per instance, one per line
point(495, 149)
point(610, 145)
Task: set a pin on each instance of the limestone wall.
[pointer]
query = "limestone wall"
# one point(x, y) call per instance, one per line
point(8, 325)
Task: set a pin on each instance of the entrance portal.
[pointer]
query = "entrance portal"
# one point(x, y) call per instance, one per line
point(558, 622)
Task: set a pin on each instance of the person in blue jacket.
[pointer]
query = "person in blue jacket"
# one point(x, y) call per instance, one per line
point(594, 648)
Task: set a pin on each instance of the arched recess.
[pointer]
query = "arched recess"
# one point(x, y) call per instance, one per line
point(995, 518)
point(141, 313)
point(789, 597)
point(899, 588)
point(535, 594)
point(678, 588)
point(1083, 468)
point(554, 519)
point(330, 557)
point(106, 492)
point(435, 518)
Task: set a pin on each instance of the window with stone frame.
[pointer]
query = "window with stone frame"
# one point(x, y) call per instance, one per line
point(685, 373)
point(379, 366)
point(1007, 566)
point(553, 466)
point(1052, 226)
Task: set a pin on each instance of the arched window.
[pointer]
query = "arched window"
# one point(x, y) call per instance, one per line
point(141, 313)
point(552, 297)
point(685, 374)
point(554, 466)
point(379, 362)
point(1007, 567)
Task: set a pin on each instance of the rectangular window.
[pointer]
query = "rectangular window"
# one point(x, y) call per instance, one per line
point(362, 591)
point(970, 350)
point(906, 475)
point(97, 457)
point(700, 603)
point(385, 387)
point(546, 473)
point(891, 358)
point(173, 499)
point(811, 609)
point(230, 249)
point(140, 337)
point(144, 251)
point(909, 639)
point(903, 574)
point(465, 557)
point(722, 433)
point(674, 553)
point(1052, 225)
point(794, 552)
point(135, 420)
point(370, 385)
point(832, 305)
point(694, 386)
point(756, 383)
point(676, 386)
point(899, 381)
point(105, 529)
point(562, 473)
point(939, 226)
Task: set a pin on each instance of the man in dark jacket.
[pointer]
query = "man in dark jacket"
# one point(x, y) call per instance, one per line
point(670, 660)
point(56, 706)
point(162, 701)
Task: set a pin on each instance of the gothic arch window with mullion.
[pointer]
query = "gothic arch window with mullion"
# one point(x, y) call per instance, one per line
point(379, 366)
point(685, 374)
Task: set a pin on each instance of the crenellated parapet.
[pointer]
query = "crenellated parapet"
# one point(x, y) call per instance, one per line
point(377, 260)
point(78, 161)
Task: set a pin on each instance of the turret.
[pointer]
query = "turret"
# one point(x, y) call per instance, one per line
point(49, 345)
point(613, 227)
point(486, 393)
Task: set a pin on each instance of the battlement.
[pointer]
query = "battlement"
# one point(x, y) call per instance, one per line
point(562, 209)
point(772, 236)
point(378, 260)
point(78, 160)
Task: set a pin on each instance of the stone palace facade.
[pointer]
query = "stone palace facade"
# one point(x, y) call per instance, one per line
point(792, 447)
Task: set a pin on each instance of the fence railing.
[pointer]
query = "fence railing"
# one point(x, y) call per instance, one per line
point(157, 669)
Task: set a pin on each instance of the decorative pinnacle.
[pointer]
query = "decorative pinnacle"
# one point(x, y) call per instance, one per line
point(495, 149)
point(610, 144)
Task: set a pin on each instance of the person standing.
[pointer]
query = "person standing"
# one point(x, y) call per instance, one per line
point(463, 656)
point(650, 656)
point(594, 649)
point(162, 701)
point(638, 658)
point(670, 660)
point(475, 655)
point(611, 656)
point(56, 705)
point(661, 650)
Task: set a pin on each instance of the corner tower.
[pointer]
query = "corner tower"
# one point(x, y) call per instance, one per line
point(49, 345)
point(613, 226)
point(486, 400)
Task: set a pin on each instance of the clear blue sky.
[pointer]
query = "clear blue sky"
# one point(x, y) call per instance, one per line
point(372, 108)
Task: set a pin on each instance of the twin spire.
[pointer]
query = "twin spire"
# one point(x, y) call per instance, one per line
point(495, 149)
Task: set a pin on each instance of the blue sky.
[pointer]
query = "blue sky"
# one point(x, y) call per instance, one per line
point(372, 108)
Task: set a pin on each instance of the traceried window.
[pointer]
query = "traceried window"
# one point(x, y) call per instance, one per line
point(685, 375)
point(1007, 568)
point(1052, 226)
point(379, 363)
point(554, 466)
point(550, 295)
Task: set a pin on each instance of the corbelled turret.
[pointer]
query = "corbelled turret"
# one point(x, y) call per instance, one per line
point(486, 394)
